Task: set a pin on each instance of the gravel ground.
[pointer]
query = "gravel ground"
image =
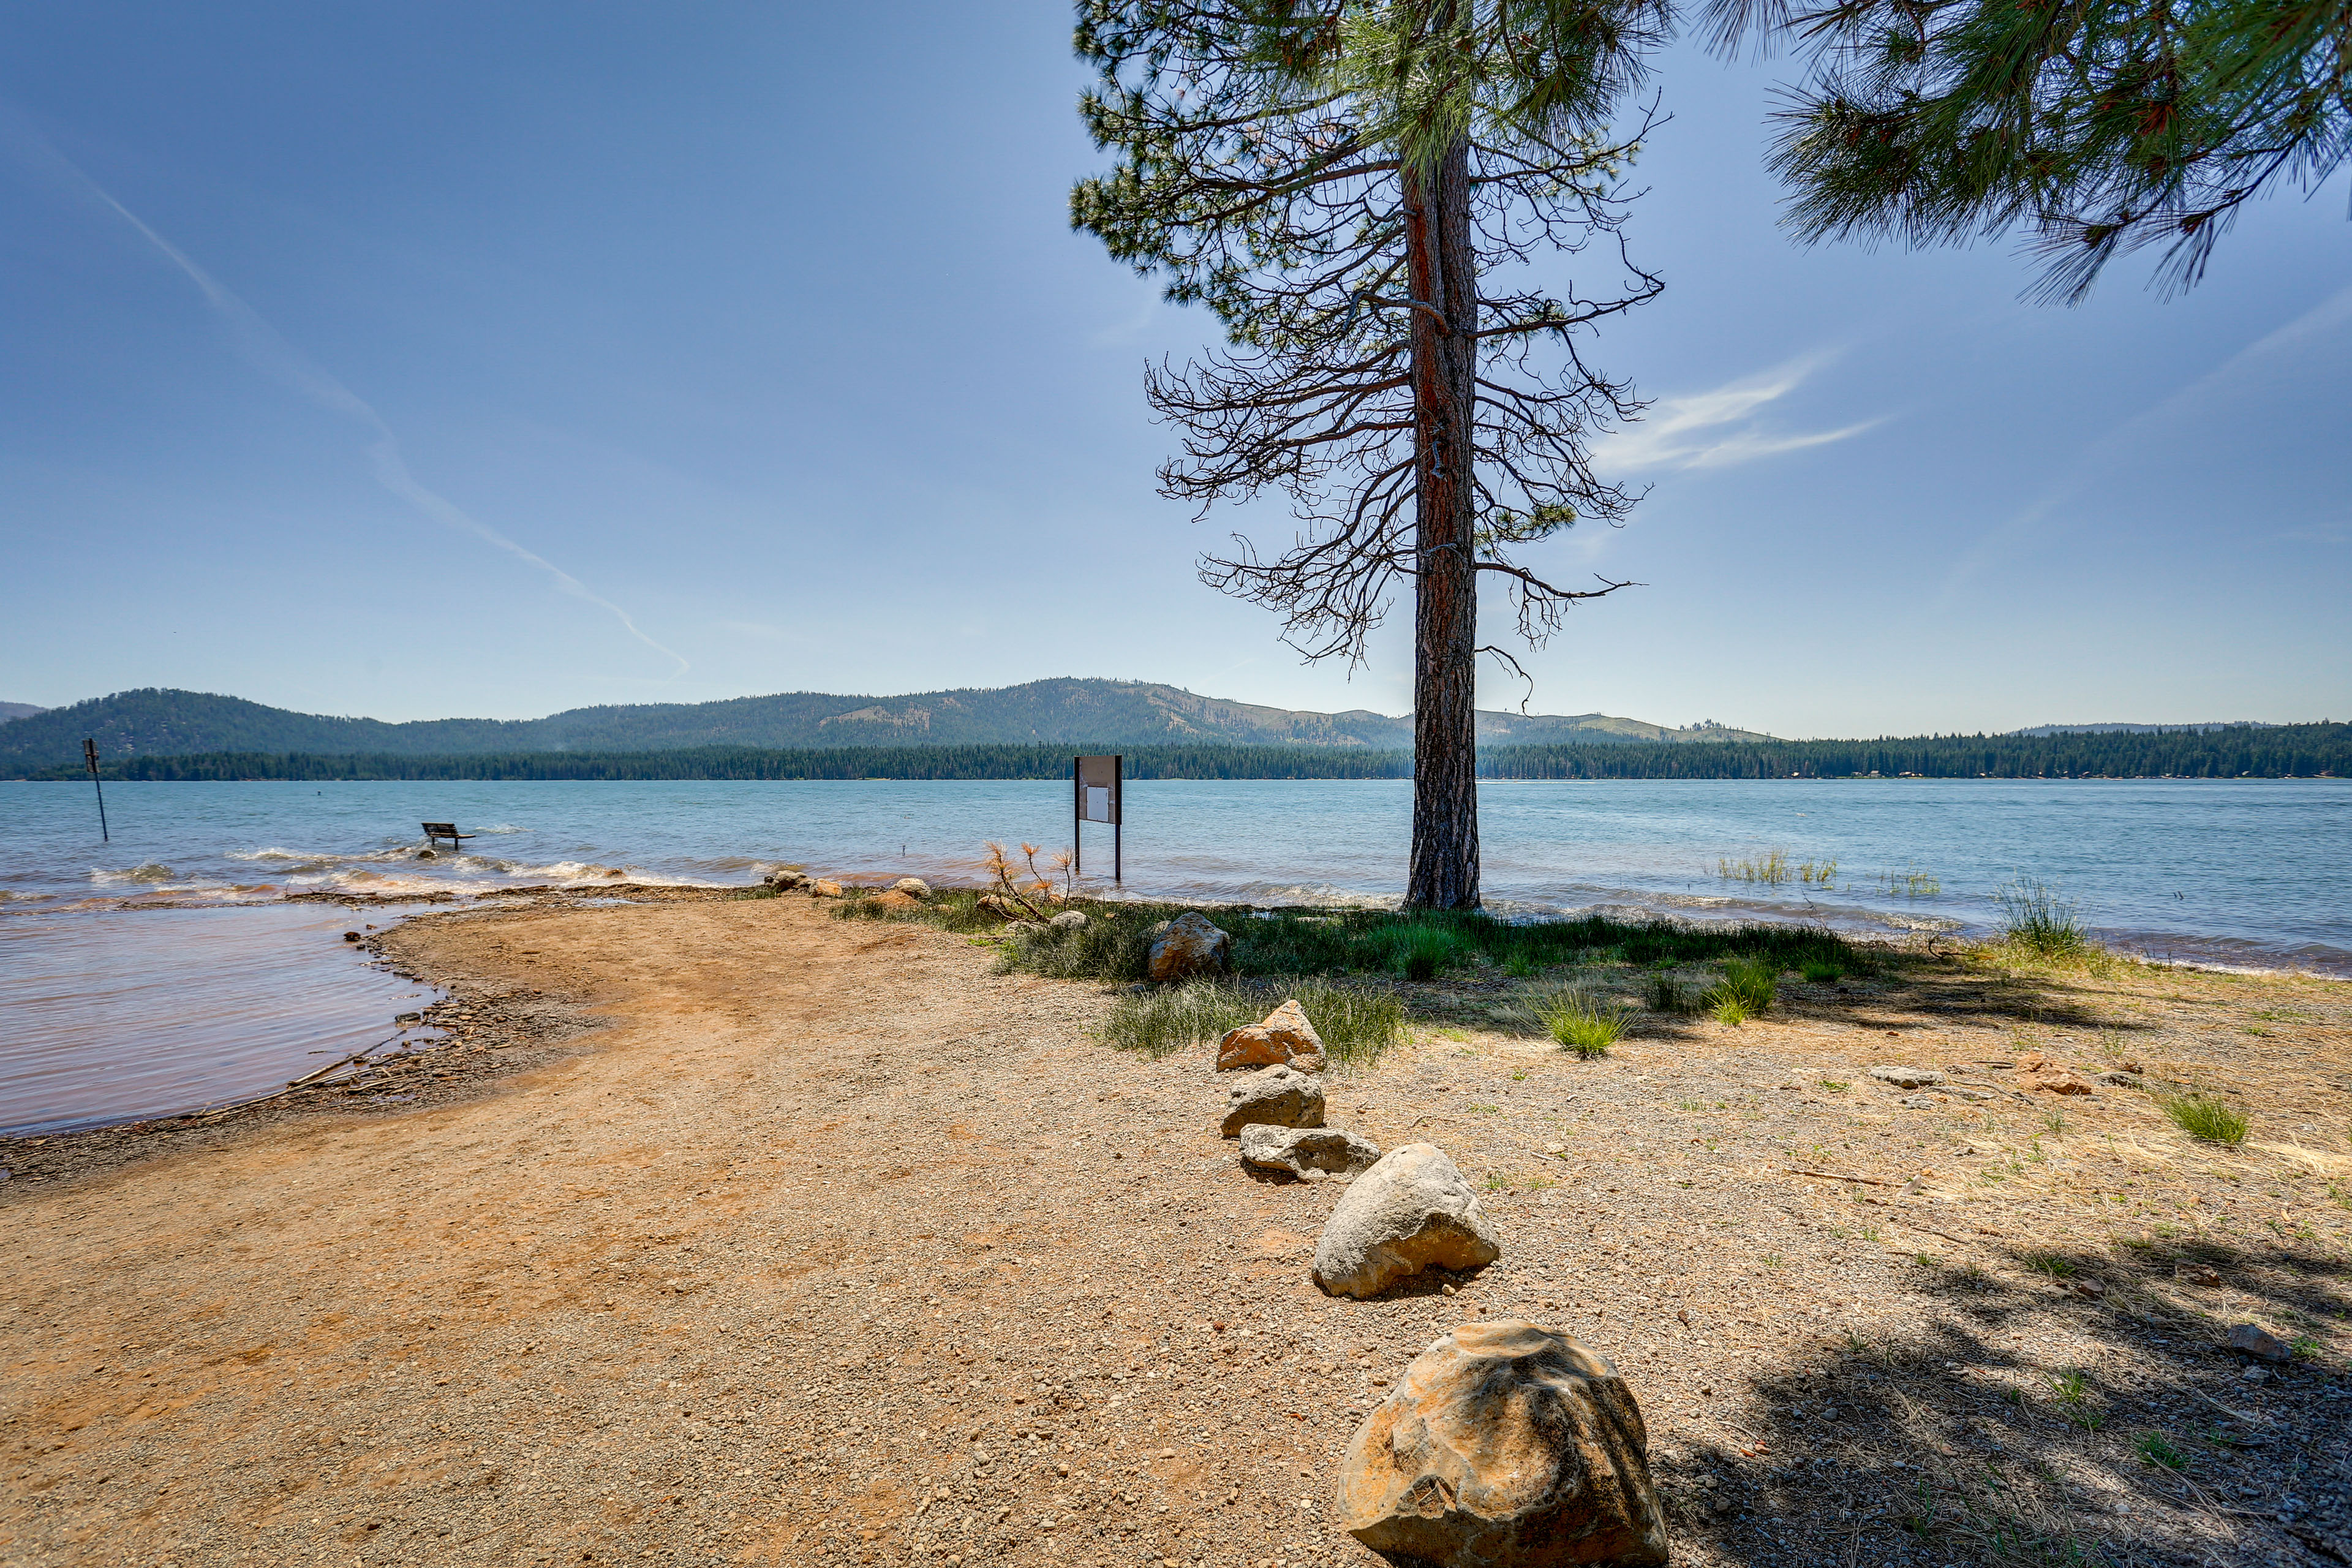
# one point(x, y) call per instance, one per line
point(832, 1246)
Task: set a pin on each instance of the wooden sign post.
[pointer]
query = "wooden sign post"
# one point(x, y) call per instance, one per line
point(1095, 787)
point(89, 761)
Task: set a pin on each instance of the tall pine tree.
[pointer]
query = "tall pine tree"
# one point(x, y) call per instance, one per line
point(1356, 188)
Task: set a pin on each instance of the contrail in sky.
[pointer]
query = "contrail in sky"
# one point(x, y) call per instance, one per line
point(2006, 539)
point(269, 351)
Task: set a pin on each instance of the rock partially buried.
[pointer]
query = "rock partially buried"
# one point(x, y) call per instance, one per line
point(785, 882)
point(1504, 1445)
point(825, 889)
point(2258, 1342)
point(1070, 920)
point(1412, 1210)
point(1277, 1096)
point(1307, 1153)
point(1283, 1038)
point(2051, 1078)
point(1188, 945)
point(1906, 1077)
point(913, 887)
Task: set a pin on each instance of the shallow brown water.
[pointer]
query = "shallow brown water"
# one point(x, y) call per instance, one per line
point(114, 1017)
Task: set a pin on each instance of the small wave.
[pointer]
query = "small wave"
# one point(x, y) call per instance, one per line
point(363, 880)
point(150, 871)
point(1916, 922)
point(274, 852)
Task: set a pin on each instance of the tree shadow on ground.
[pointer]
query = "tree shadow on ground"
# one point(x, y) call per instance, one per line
point(2028, 1422)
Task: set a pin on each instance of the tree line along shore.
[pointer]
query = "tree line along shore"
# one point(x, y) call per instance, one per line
point(2285, 751)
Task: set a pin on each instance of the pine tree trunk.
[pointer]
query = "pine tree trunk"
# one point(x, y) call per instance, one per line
point(1445, 871)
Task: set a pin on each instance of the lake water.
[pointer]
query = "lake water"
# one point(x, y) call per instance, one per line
point(2244, 873)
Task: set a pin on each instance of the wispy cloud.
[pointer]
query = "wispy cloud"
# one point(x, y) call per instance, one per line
point(1719, 428)
point(269, 351)
point(1128, 330)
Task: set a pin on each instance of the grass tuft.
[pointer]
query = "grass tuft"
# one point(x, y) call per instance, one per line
point(1158, 1022)
point(2206, 1117)
point(1581, 1023)
point(1356, 1023)
point(2154, 1450)
point(1752, 984)
point(2036, 921)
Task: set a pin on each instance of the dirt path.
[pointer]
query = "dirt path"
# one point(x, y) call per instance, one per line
point(835, 1247)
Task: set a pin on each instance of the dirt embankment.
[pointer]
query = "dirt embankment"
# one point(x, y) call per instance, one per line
point(834, 1246)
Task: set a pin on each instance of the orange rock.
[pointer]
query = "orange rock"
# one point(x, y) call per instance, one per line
point(2042, 1073)
point(1508, 1446)
point(1284, 1038)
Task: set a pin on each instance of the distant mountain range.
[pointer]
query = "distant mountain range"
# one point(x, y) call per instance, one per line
point(18, 711)
point(2145, 728)
point(158, 722)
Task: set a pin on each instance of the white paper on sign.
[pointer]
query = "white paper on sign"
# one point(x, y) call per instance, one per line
point(1098, 802)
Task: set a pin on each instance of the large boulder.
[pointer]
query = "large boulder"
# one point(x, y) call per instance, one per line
point(824, 888)
point(913, 887)
point(1410, 1211)
point(785, 880)
point(1188, 945)
point(1277, 1096)
point(1504, 1445)
point(1310, 1153)
point(1070, 920)
point(1283, 1038)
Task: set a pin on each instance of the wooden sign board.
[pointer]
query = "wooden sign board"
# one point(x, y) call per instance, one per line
point(1096, 791)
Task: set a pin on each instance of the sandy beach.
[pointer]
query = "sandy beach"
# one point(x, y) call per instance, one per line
point(736, 1234)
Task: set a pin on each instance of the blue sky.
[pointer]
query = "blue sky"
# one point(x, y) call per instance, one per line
point(460, 360)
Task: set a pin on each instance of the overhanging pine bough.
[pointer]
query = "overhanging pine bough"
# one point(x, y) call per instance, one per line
point(1356, 190)
point(2098, 126)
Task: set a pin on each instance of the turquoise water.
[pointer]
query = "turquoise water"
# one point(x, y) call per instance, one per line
point(2246, 873)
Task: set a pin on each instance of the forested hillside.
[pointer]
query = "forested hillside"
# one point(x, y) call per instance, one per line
point(157, 723)
point(2285, 751)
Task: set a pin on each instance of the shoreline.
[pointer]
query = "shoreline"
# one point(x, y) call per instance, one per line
point(831, 1240)
point(459, 1065)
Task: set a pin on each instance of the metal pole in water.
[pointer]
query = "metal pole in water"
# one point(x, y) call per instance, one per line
point(89, 761)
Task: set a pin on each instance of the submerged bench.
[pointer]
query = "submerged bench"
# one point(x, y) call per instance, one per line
point(437, 831)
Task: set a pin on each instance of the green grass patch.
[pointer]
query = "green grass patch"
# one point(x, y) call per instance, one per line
point(1748, 988)
point(2035, 920)
point(1175, 1018)
point(2206, 1117)
point(1356, 1023)
point(1114, 943)
point(1581, 1023)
